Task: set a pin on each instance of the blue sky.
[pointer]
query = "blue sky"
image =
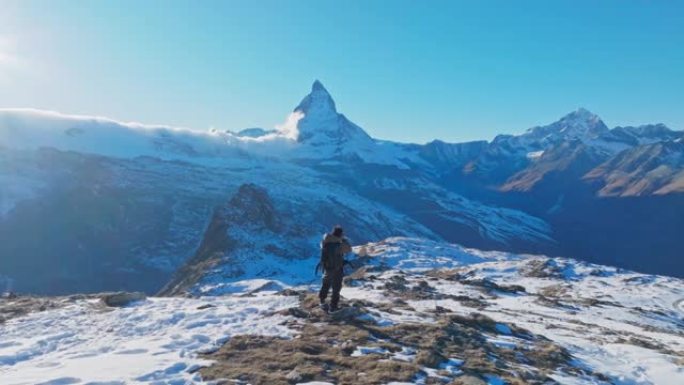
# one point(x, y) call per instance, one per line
point(404, 70)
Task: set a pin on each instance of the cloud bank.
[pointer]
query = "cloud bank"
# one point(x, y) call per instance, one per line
point(25, 128)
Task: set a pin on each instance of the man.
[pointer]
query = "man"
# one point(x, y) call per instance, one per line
point(333, 249)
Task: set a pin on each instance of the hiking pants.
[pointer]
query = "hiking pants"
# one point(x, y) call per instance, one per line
point(331, 279)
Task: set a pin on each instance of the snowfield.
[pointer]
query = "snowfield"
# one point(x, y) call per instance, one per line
point(155, 341)
point(618, 326)
point(616, 322)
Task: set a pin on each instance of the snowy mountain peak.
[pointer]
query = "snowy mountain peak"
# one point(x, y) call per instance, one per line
point(580, 124)
point(583, 121)
point(318, 101)
point(582, 113)
point(318, 86)
point(321, 125)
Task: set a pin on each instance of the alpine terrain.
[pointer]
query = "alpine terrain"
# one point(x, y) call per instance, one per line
point(133, 253)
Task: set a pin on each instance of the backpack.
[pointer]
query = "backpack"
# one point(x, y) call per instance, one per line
point(330, 260)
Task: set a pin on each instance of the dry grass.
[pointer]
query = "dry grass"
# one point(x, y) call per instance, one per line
point(322, 351)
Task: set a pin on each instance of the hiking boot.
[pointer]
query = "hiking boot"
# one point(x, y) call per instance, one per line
point(324, 307)
point(333, 309)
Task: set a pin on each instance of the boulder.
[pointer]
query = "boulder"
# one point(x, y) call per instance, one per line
point(121, 299)
point(347, 313)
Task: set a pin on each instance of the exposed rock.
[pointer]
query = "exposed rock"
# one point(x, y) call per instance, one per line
point(296, 312)
point(541, 268)
point(19, 305)
point(468, 380)
point(489, 286)
point(290, 292)
point(397, 283)
point(294, 376)
point(346, 313)
point(251, 207)
point(121, 299)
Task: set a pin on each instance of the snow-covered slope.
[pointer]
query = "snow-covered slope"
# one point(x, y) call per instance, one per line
point(416, 312)
point(265, 234)
point(621, 326)
point(147, 193)
point(155, 341)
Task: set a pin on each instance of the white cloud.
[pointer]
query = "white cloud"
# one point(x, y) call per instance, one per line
point(32, 128)
point(289, 128)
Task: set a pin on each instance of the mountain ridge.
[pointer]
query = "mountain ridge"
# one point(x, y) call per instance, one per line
point(518, 193)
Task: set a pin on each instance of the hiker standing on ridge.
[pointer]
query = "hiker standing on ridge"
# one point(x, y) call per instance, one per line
point(333, 249)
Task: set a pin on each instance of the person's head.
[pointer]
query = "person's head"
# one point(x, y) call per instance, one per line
point(337, 231)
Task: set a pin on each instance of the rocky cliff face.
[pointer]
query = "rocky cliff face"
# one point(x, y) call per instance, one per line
point(257, 238)
point(652, 169)
point(567, 162)
point(249, 212)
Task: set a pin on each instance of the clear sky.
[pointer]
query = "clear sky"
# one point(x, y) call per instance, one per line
point(404, 70)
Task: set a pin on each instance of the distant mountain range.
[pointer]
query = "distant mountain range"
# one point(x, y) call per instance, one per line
point(91, 204)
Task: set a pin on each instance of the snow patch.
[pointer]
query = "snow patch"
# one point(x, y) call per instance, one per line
point(155, 341)
point(535, 154)
point(366, 350)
